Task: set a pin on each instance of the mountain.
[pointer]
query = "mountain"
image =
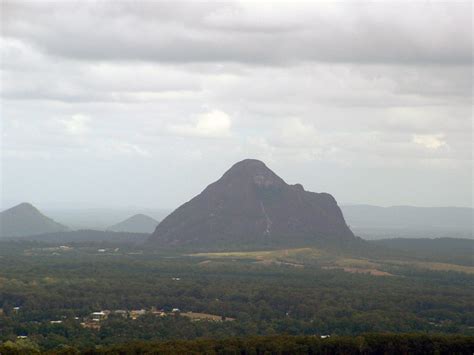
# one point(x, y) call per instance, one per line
point(251, 205)
point(138, 223)
point(374, 222)
point(25, 219)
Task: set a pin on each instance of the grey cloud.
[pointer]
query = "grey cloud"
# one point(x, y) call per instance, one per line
point(180, 33)
point(28, 75)
point(342, 98)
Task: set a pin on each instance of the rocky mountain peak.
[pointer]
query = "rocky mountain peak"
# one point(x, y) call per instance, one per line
point(252, 171)
point(249, 205)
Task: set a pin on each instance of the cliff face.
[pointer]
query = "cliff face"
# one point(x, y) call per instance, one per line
point(250, 204)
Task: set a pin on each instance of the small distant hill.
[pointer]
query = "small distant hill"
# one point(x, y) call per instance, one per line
point(138, 223)
point(24, 220)
point(251, 205)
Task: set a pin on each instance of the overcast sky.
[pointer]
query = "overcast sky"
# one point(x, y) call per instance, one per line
point(144, 103)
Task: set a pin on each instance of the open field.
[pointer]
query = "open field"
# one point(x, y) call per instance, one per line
point(434, 266)
point(205, 316)
point(301, 257)
point(284, 254)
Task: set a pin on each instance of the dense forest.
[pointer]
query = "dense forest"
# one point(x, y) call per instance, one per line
point(363, 344)
point(49, 293)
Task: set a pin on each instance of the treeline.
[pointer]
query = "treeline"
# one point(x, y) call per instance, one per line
point(45, 295)
point(364, 345)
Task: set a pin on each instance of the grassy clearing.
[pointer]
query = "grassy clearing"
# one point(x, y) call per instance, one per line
point(446, 267)
point(262, 255)
point(205, 316)
point(373, 272)
point(434, 266)
point(301, 257)
point(289, 257)
point(356, 263)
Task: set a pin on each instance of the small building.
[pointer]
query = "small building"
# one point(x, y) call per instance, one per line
point(99, 316)
point(158, 312)
point(56, 322)
point(121, 312)
point(90, 325)
point(137, 313)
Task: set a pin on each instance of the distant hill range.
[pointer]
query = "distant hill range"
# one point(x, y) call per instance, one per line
point(25, 219)
point(450, 250)
point(251, 205)
point(80, 217)
point(138, 223)
point(374, 222)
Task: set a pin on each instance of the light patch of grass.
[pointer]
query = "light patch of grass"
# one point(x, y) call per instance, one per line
point(312, 256)
point(50, 280)
point(285, 255)
point(205, 316)
point(237, 255)
point(357, 266)
point(434, 266)
point(356, 263)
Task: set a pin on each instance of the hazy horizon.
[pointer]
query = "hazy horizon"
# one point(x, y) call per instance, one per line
point(70, 206)
point(146, 103)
